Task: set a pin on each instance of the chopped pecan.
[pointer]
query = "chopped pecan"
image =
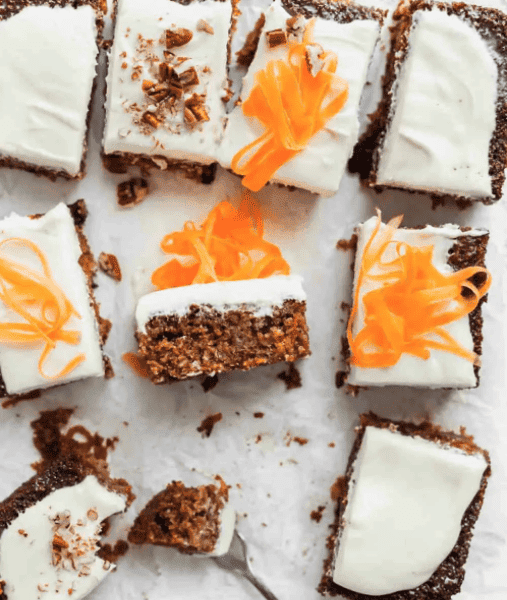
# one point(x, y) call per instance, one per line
point(147, 84)
point(168, 55)
point(151, 119)
point(159, 92)
point(296, 29)
point(130, 193)
point(175, 90)
point(276, 37)
point(174, 38)
point(165, 71)
point(203, 25)
point(190, 118)
point(189, 78)
point(195, 105)
point(59, 542)
point(313, 58)
point(108, 264)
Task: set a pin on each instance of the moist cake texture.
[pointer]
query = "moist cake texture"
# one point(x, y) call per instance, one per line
point(454, 249)
point(45, 108)
point(440, 126)
point(222, 326)
point(58, 236)
point(348, 30)
point(165, 87)
point(429, 540)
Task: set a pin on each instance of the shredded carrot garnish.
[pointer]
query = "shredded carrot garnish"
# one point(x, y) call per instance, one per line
point(228, 246)
point(293, 105)
point(37, 298)
point(408, 312)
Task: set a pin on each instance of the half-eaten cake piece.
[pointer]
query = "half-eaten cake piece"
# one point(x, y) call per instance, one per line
point(297, 121)
point(166, 85)
point(440, 126)
point(51, 330)
point(48, 59)
point(226, 302)
point(416, 315)
point(50, 530)
point(194, 520)
point(422, 489)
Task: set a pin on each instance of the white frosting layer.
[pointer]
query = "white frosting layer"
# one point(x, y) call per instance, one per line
point(26, 559)
point(445, 110)
point(204, 50)
point(259, 295)
point(47, 84)
point(404, 511)
point(55, 235)
point(319, 168)
point(227, 526)
point(442, 369)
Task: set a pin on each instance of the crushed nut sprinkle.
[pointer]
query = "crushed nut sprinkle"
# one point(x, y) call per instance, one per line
point(92, 514)
point(203, 25)
point(314, 58)
point(276, 37)
point(151, 119)
point(175, 38)
point(23, 532)
point(108, 264)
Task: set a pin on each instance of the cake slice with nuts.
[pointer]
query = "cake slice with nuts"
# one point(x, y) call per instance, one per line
point(167, 83)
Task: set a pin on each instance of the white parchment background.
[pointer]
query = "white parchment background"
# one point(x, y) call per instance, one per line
point(279, 485)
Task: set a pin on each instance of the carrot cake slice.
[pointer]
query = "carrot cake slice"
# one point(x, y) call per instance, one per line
point(51, 332)
point(422, 489)
point(196, 520)
point(50, 531)
point(416, 316)
point(297, 121)
point(166, 85)
point(440, 126)
point(45, 100)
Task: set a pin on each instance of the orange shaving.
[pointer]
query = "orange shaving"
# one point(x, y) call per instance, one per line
point(293, 105)
point(408, 312)
point(36, 297)
point(229, 246)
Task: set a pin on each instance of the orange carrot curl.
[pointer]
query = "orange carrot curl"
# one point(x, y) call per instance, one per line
point(228, 246)
point(37, 298)
point(293, 105)
point(414, 302)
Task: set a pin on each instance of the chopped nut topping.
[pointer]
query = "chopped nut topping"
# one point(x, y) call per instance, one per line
point(59, 542)
point(124, 65)
point(130, 193)
point(190, 118)
point(189, 78)
point(108, 264)
point(195, 105)
point(147, 85)
point(296, 29)
point(92, 514)
point(174, 38)
point(159, 92)
point(168, 55)
point(276, 37)
point(313, 57)
point(165, 71)
point(151, 119)
point(203, 25)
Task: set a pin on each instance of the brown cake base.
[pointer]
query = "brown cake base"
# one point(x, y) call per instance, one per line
point(185, 518)
point(467, 251)
point(8, 9)
point(448, 578)
point(491, 24)
point(205, 341)
point(79, 213)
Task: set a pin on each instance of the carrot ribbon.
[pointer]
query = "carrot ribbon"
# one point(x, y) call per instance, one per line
point(228, 246)
point(36, 297)
point(408, 312)
point(293, 105)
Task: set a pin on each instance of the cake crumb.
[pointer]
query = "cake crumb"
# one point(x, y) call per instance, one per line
point(209, 382)
point(339, 488)
point(316, 515)
point(14, 400)
point(111, 554)
point(108, 264)
point(207, 424)
point(23, 533)
point(289, 438)
point(258, 415)
point(291, 377)
point(331, 445)
point(345, 245)
point(258, 438)
point(345, 306)
point(340, 378)
point(132, 192)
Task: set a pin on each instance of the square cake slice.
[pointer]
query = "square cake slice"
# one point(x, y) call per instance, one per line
point(49, 51)
point(421, 489)
point(350, 32)
point(440, 126)
point(50, 531)
point(224, 326)
point(196, 520)
point(51, 330)
point(166, 85)
point(416, 317)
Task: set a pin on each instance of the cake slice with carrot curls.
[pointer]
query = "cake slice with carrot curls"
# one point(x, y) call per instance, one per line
point(51, 332)
point(416, 315)
point(226, 301)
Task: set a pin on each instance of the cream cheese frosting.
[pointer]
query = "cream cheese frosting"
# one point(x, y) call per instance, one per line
point(442, 369)
point(405, 504)
point(30, 566)
point(206, 52)
point(445, 110)
point(320, 166)
point(47, 85)
point(227, 526)
point(258, 295)
point(55, 234)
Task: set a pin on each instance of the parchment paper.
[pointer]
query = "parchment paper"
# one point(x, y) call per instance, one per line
point(275, 486)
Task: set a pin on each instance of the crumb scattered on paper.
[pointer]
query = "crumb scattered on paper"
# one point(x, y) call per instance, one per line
point(207, 424)
point(291, 377)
